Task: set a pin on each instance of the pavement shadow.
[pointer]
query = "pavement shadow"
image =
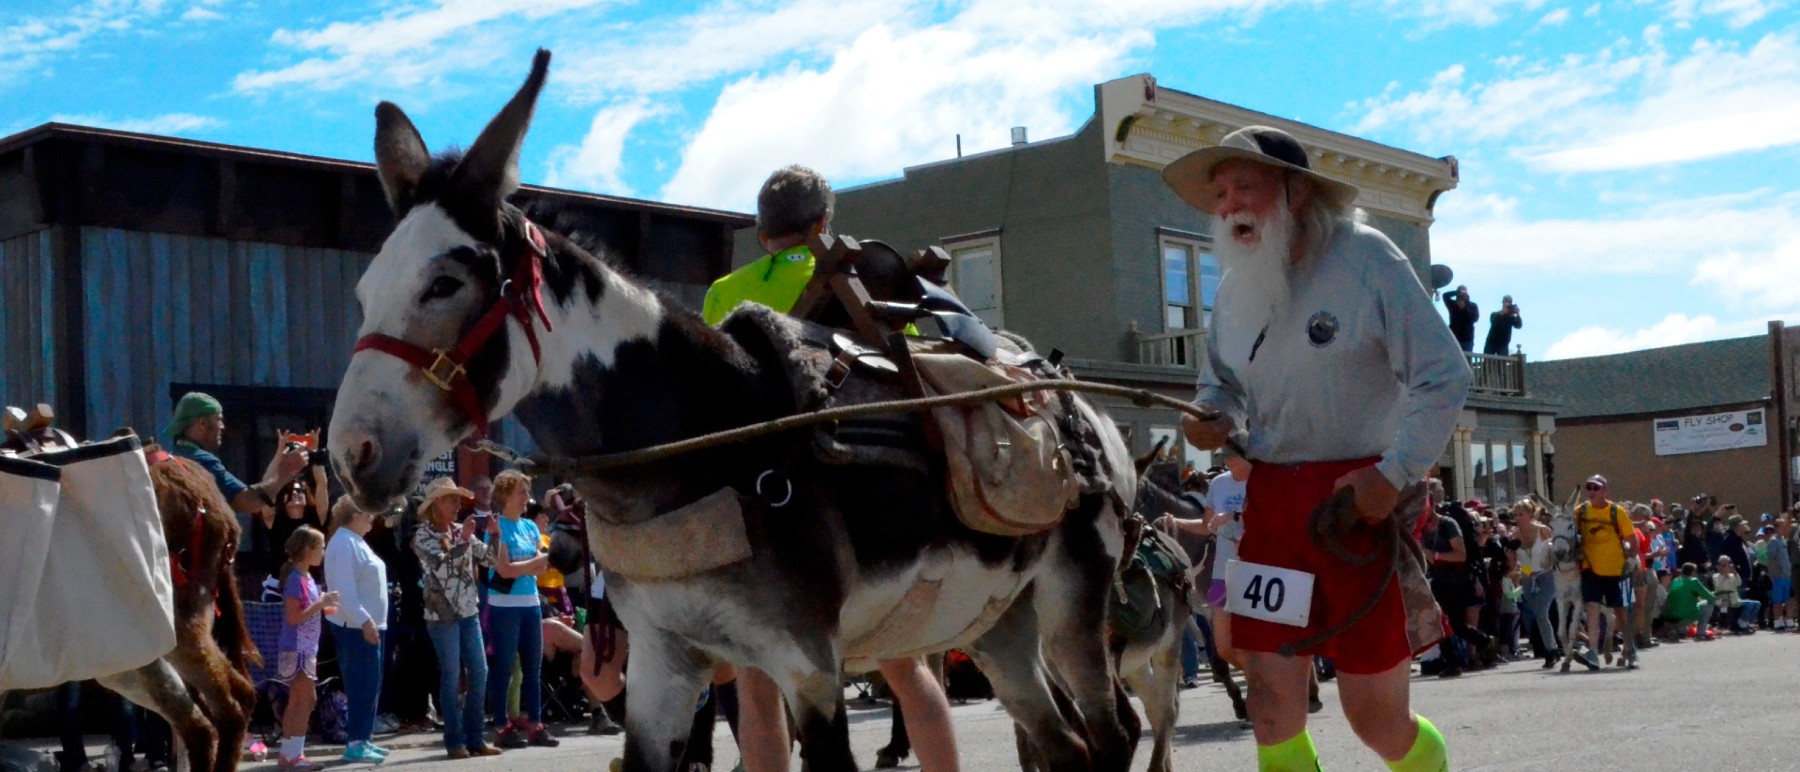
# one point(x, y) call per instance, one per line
point(1217, 732)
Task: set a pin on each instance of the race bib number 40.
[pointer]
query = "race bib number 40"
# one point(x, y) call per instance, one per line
point(1268, 593)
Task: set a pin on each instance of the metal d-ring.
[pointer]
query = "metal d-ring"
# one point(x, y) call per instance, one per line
point(784, 499)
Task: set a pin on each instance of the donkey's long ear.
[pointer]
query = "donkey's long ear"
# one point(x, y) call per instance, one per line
point(490, 171)
point(400, 156)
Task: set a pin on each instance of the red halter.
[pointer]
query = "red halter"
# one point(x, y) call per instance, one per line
point(520, 297)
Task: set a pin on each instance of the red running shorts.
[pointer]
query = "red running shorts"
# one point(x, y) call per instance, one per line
point(1279, 501)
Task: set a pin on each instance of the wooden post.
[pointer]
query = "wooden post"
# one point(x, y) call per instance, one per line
point(1779, 391)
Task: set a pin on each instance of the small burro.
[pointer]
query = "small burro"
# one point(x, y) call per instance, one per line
point(781, 552)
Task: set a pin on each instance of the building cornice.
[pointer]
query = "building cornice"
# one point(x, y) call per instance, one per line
point(1149, 125)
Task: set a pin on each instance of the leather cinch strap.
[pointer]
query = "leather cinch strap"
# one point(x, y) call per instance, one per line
point(520, 298)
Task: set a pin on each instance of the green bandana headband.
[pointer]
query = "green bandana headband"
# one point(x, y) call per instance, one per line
point(192, 407)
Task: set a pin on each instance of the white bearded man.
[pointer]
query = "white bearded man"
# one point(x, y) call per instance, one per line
point(1329, 367)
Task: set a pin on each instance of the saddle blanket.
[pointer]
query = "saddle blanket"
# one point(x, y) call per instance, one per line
point(84, 569)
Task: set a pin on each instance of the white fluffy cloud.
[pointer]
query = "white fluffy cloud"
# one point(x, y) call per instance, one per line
point(170, 123)
point(1613, 109)
point(595, 163)
point(30, 42)
point(891, 98)
point(1737, 13)
point(1488, 233)
point(403, 47)
point(1672, 330)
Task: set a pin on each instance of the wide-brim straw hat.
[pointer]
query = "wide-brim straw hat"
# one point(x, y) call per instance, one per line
point(1190, 176)
point(441, 487)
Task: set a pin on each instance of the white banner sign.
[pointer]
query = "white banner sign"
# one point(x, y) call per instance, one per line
point(1719, 431)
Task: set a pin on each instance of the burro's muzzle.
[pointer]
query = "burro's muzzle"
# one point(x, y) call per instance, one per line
point(387, 421)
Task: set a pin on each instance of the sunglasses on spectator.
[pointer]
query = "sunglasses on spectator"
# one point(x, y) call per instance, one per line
point(1595, 486)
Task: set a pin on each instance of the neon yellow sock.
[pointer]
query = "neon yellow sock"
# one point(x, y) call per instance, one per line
point(1295, 754)
point(1428, 754)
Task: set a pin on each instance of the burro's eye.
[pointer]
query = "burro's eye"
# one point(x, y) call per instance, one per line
point(441, 287)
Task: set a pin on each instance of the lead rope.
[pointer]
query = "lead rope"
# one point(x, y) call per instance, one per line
point(578, 465)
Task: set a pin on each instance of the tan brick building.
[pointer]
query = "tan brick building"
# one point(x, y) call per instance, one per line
point(1671, 422)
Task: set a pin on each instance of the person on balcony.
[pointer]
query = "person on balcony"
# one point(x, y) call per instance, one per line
point(1501, 323)
point(1463, 316)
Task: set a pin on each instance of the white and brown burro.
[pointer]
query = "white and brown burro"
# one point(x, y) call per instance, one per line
point(856, 564)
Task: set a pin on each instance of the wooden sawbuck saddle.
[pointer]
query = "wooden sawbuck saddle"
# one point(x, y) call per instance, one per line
point(874, 326)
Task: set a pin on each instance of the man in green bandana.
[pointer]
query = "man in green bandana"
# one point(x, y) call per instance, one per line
point(795, 204)
point(198, 429)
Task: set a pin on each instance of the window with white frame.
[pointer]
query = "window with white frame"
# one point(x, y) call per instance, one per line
point(975, 275)
point(1190, 278)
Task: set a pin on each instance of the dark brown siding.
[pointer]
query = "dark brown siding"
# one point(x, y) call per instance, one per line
point(27, 347)
point(1624, 451)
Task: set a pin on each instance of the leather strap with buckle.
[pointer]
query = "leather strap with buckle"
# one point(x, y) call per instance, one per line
point(521, 298)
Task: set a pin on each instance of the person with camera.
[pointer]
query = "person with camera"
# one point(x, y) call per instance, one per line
point(1501, 323)
point(452, 556)
point(302, 503)
point(1463, 316)
point(514, 616)
point(198, 429)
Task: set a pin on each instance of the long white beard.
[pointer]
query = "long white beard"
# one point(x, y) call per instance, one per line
point(1254, 290)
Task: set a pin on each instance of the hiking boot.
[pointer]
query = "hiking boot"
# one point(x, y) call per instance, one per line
point(602, 724)
point(483, 750)
point(1550, 661)
point(458, 754)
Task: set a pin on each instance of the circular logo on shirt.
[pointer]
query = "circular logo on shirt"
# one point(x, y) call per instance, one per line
point(1321, 329)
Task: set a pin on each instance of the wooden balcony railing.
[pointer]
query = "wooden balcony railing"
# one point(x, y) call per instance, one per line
point(1496, 374)
point(1176, 348)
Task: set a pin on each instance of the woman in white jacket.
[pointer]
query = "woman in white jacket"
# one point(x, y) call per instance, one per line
point(360, 580)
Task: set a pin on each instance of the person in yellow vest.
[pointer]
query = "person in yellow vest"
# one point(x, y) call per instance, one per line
point(1607, 540)
point(794, 205)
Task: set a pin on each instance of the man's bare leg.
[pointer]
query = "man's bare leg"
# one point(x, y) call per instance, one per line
point(762, 719)
point(1278, 709)
point(927, 712)
point(1380, 710)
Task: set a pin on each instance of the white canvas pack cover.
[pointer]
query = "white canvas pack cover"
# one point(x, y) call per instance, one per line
point(84, 567)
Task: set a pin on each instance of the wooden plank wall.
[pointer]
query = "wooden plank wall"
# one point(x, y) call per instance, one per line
point(164, 308)
point(27, 339)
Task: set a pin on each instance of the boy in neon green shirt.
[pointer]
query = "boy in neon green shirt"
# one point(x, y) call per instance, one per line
point(795, 204)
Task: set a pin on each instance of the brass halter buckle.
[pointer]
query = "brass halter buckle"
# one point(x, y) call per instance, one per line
point(450, 371)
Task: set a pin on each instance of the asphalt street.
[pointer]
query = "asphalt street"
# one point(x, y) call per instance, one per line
point(1720, 705)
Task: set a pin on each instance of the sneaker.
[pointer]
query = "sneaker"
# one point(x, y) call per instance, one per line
point(483, 750)
point(542, 738)
point(510, 738)
point(1450, 671)
point(386, 724)
point(1587, 660)
point(362, 753)
point(377, 749)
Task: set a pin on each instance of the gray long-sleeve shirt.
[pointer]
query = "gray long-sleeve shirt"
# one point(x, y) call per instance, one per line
point(1359, 365)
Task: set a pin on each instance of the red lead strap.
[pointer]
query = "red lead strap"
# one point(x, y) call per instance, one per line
point(520, 298)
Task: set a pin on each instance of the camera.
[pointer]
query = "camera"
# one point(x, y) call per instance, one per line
point(320, 457)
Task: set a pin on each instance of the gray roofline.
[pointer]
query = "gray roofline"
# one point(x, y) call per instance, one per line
point(50, 131)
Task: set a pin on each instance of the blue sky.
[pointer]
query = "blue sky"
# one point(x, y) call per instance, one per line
point(1629, 167)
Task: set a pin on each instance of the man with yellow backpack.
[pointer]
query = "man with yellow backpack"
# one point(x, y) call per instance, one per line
point(1607, 542)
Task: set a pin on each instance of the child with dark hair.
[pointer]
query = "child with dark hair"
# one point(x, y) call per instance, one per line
point(1690, 604)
